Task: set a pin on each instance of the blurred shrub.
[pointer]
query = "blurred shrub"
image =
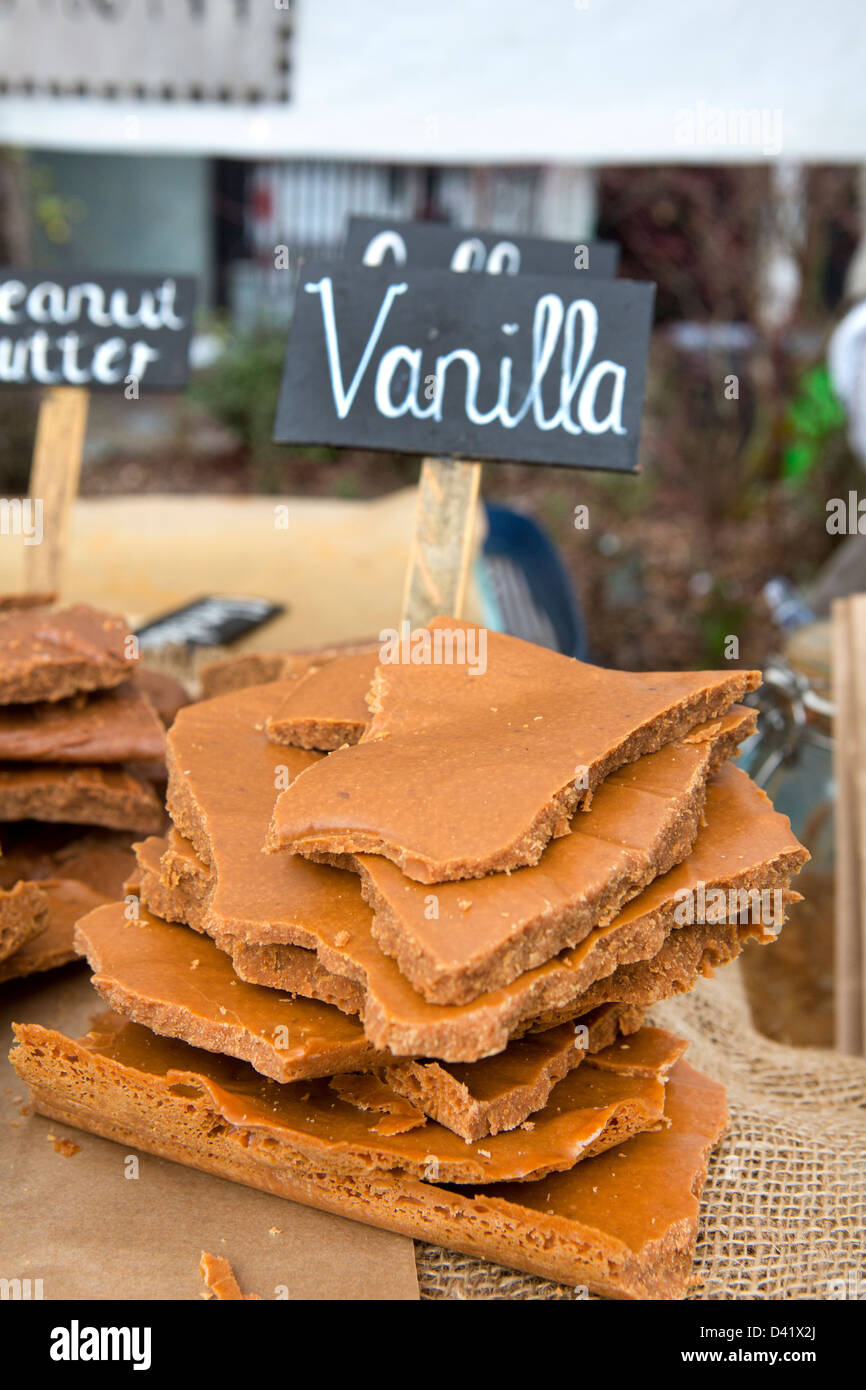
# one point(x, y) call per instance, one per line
point(815, 421)
point(240, 390)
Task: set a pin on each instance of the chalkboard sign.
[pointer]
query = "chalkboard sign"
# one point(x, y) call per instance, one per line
point(439, 246)
point(95, 331)
point(531, 368)
point(208, 622)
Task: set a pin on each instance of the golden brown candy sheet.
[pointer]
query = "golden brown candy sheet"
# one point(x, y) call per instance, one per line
point(623, 1224)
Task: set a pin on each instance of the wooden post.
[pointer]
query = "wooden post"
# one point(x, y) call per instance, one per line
point(54, 481)
point(849, 742)
point(441, 546)
point(857, 622)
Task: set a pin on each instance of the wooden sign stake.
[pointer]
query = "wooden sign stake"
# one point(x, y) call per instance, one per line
point(54, 479)
point(857, 657)
point(441, 546)
point(849, 743)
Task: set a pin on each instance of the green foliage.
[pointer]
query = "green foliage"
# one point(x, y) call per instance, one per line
point(347, 487)
point(633, 493)
point(240, 388)
point(720, 617)
point(57, 213)
point(813, 419)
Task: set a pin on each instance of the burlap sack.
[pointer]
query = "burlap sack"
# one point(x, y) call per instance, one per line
point(784, 1208)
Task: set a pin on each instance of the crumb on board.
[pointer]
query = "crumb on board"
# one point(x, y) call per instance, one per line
point(65, 1147)
point(220, 1281)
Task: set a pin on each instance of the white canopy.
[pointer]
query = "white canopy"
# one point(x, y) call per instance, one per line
point(471, 81)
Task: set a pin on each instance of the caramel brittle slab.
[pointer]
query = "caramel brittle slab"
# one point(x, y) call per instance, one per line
point(468, 768)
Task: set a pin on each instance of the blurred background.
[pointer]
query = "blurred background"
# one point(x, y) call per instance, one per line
point(722, 145)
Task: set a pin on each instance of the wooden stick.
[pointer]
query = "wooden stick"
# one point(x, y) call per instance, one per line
point(54, 481)
point(848, 941)
point(857, 621)
point(442, 540)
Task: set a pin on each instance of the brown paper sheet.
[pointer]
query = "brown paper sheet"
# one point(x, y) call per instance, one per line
point(88, 1232)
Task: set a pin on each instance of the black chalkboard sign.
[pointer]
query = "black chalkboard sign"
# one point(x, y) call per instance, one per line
point(439, 246)
point(95, 331)
point(531, 368)
point(208, 622)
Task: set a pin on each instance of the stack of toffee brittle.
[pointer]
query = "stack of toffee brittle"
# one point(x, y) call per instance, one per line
point(393, 957)
point(82, 763)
